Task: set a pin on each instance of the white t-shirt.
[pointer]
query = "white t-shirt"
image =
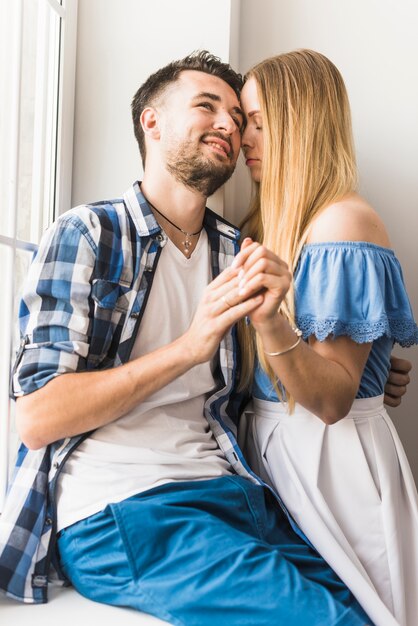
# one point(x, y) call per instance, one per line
point(166, 438)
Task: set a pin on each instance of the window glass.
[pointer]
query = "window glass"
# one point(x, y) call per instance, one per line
point(38, 119)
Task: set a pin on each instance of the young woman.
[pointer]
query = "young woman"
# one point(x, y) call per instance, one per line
point(319, 429)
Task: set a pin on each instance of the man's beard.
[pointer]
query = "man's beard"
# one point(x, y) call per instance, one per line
point(200, 173)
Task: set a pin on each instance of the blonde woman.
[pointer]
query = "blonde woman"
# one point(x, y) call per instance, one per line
point(319, 432)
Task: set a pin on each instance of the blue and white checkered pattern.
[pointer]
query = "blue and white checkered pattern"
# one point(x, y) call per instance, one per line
point(81, 311)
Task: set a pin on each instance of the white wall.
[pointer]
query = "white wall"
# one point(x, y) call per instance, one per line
point(120, 43)
point(374, 44)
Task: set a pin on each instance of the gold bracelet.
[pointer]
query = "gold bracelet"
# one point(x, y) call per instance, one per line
point(299, 339)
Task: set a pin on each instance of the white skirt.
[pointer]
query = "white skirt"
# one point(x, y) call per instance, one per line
point(350, 489)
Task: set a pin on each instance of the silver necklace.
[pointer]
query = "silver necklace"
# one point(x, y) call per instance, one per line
point(186, 243)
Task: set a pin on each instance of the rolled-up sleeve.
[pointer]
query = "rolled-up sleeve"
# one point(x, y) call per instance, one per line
point(55, 313)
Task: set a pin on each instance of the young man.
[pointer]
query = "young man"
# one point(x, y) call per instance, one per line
point(127, 402)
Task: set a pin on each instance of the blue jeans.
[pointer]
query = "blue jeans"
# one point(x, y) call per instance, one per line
point(207, 552)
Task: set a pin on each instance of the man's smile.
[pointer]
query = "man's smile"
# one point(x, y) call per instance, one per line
point(219, 145)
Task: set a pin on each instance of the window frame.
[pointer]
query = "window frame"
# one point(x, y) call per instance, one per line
point(55, 171)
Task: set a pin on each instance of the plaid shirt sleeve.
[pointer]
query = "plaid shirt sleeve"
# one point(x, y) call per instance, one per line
point(55, 312)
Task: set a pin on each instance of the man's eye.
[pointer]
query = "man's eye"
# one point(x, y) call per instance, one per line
point(206, 105)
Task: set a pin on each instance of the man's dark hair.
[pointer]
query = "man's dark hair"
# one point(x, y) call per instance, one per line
point(153, 87)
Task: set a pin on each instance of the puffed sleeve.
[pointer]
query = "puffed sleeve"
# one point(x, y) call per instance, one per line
point(354, 289)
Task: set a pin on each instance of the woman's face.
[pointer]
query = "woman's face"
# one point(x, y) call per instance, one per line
point(252, 138)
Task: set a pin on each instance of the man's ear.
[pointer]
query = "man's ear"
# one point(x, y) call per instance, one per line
point(149, 123)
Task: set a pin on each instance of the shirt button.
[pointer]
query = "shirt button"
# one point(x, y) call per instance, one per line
point(48, 521)
point(160, 237)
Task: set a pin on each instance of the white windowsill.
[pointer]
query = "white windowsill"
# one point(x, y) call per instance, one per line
point(65, 607)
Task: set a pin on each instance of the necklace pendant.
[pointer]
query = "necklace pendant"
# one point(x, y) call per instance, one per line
point(187, 244)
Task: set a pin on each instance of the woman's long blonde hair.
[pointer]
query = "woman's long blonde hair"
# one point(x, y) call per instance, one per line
point(308, 163)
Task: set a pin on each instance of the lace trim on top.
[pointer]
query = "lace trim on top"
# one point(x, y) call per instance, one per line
point(404, 332)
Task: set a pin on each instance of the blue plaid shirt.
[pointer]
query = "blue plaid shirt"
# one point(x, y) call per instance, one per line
point(84, 298)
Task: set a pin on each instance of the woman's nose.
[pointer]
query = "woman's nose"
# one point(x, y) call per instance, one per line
point(246, 138)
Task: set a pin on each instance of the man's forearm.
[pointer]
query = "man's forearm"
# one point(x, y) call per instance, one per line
point(78, 402)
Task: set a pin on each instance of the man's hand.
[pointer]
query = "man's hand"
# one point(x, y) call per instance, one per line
point(219, 309)
point(397, 381)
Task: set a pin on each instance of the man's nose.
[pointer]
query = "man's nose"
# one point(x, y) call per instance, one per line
point(226, 123)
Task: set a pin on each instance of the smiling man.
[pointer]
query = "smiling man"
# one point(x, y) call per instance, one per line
point(127, 401)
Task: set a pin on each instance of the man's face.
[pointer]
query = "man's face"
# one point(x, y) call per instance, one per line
point(200, 123)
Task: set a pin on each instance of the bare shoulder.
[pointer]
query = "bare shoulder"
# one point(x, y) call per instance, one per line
point(349, 219)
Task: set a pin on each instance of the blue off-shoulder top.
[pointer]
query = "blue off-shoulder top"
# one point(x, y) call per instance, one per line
point(351, 288)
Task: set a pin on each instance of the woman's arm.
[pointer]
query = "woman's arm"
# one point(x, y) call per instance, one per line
point(322, 376)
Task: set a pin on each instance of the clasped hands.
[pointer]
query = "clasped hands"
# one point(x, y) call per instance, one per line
point(253, 286)
point(262, 272)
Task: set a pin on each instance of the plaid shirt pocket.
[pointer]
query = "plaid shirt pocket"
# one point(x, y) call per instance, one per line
point(111, 304)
